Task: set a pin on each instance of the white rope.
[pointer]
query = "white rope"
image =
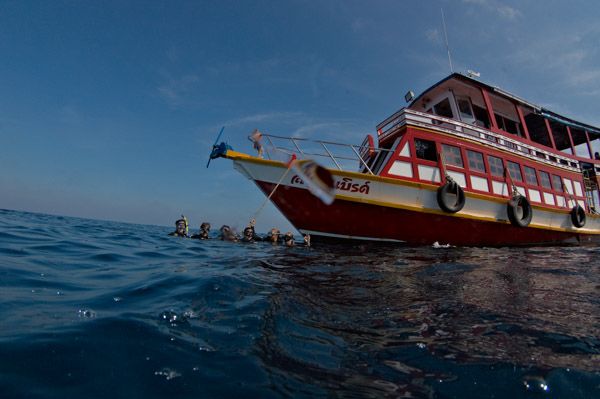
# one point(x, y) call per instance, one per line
point(253, 220)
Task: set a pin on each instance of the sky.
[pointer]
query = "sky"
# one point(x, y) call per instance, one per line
point(109, 109)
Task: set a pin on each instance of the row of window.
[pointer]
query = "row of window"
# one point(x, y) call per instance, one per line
point(426, 149)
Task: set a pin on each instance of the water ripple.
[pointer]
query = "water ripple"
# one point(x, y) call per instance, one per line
point(188, 318)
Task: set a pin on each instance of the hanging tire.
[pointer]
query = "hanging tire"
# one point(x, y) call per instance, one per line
point(519, 211)
point(451, 197)
point(578, 216)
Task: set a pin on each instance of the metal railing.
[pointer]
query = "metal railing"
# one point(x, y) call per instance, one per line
point(328, 153)
point(471, 132)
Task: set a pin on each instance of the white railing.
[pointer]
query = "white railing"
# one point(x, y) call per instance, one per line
point(429, 121)
point(328, 153)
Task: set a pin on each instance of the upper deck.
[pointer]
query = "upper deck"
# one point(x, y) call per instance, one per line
point(465, 107)
point(480, 134)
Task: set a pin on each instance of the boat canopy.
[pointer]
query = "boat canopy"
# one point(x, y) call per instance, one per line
point(568, 122)
point(536, 108)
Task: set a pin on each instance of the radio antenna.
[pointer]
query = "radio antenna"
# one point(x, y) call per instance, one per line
point(447, 45)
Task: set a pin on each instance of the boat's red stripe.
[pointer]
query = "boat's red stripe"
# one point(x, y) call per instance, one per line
point(348, 218)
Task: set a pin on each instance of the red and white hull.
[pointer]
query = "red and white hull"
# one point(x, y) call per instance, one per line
point(368, 207)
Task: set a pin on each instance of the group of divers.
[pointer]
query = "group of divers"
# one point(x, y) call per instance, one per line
point(226, 233)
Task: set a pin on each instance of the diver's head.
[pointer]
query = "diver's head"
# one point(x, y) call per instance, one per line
point(248, 232)
point(274, 235)
point(205, 227)
point(226, 232)
point(288, 238)
point(307, 240)
point(180, 226)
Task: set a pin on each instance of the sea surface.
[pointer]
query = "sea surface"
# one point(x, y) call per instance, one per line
point(96, 309)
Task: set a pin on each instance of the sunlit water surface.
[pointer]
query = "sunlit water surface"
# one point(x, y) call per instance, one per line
point(95, 309)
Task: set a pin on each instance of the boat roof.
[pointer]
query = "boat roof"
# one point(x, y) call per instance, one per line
point(537, 109)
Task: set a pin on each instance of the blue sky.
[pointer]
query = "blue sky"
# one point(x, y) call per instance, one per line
point(108, 109)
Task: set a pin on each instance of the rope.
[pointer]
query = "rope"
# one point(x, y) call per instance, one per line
point(259, 210)
point(508, 177)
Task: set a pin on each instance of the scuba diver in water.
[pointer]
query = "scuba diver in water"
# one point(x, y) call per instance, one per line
point(181, 228)
point(227, 234)
point(203, 233)
point(274, 236)
point(288, 239)
point(307, 240)
point(250, 234)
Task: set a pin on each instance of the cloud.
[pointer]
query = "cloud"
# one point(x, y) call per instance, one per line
point(571, 58)
point(260, 117)
point(301, 125)
point(508, 12)
point(175, 90)
point(361, 24)
point(314, 128)
point(70, 115)
point(434, 36)
point(496, 7)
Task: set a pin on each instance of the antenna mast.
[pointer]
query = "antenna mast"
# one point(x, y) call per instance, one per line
point(446, 36)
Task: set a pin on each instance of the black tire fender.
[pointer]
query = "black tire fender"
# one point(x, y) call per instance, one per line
point(578, 216)
point(451, 197)
point(519, 211)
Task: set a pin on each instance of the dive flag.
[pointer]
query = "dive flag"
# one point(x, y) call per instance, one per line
point(318, 180)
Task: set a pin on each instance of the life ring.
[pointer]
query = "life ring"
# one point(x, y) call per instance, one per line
point(519, 211)
point(578, 216)
point(451, 197)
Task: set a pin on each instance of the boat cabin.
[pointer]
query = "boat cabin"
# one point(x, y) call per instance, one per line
point(490, 141)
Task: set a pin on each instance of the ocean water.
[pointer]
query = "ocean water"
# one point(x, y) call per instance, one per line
point(95, 309)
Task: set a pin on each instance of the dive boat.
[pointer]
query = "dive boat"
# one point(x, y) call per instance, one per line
point(464, 163)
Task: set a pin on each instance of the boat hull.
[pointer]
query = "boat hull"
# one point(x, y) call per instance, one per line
point(362, 221)
point(368, 207)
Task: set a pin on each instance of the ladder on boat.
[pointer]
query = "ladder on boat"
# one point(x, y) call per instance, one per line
point(590, 184)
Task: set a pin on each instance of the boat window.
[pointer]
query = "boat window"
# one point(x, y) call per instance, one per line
point(512, 127)
point(561, 137)
point(481, 117)
point(443, 108)
point(475, 160)
point(538, 132)
point(508, 125)
point(557, 183)
point(464, 106)
point(530, 176)
point(496, 166)
point(465, 110)
point(425, 149)
point(580, 143)
point(515, 171)
point(452, 155)
point(545, 180)
point(381, 159)
point(499, 121)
